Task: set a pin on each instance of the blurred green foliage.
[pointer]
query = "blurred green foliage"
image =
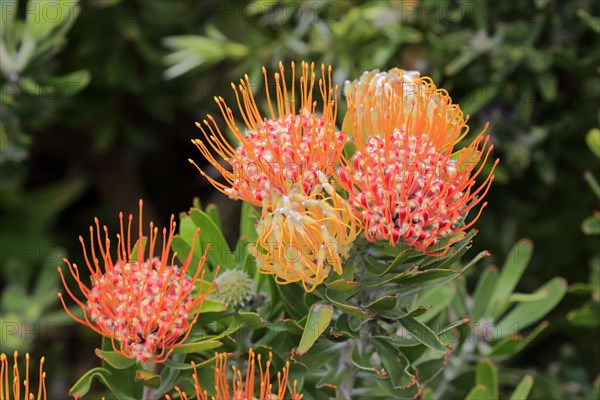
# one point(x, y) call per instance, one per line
point(99, 99)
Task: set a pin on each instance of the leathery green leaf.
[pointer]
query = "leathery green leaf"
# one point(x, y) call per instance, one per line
point(197, 347)
point(523, 388)
point(512, 270)
point(318, 320)
point(486, 382)
point(525, 314)
point(115, 359)
point(423, 334)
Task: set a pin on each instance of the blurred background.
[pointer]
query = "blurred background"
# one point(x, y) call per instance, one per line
point(99, 100)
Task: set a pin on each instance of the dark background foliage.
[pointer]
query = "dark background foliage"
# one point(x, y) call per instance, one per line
point(530, 68)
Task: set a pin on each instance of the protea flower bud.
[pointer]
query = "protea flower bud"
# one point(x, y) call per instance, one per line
point(235, 288)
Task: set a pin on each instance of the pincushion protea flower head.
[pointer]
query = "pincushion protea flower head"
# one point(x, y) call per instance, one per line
point(15, 383)
point(242, 387)
point(405, 181)
point(147, 304)
point(303, 237)
point(284, 150)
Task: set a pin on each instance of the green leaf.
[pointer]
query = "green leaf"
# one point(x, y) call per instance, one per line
point(361, 359)
point(582, 289)
point(592, 182)
point(347, 308)
point(479, 392)
point(437, 298)
point(219, 252)
point(288, 296)
point(383, 303)
point(453, 326)
point(593, 141)
point(526, 314)
point(399, 264)
point(212, 305)
point(483, 292)
point(197, 347)
point(115, 359)
point(251, 319)
point(413, 277)
point(486, 382)
point(461, 61)
point(592, 22)
point(44, 16)
point(122, 382)
point(148, 378)
point(525, 297)
point(423, 334)
point(342, 285)
point(182, 243)
point(318, 320)
point(186, 366)
point(136, 249)
point(430, 369)
point(523, 388)
point(548, 86)
point(213, 212)
point(395, 363)
point(82, 386)
point(510, 345)
point(67, 85)
point(585, 316)
point(512, 270)
point(591, 225)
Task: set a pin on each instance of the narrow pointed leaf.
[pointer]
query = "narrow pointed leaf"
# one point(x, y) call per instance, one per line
point(423, 334)
point(486, 380)
point(523, 389)
point(197, 347)
point(512, 270)
point(525, 314)
point(483, 292)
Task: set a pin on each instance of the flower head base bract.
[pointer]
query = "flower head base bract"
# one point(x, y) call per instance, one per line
point(147, 304)
point(242, 386)
point(286, 149)
point(404, 181)
point(6, 384)
point(303, 237)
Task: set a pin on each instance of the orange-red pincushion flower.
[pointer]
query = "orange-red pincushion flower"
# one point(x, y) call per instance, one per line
point(6, 384)
point(146, 305)
point(242, 386)
point(405, 181)
point(303, 237)
point(287, 149)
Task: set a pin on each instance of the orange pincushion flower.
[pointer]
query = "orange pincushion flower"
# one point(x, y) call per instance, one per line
point(303, 237)
point(242, 387)
point(6, 383)
point(404, 181)
point(285, 150)
point(146, 304)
